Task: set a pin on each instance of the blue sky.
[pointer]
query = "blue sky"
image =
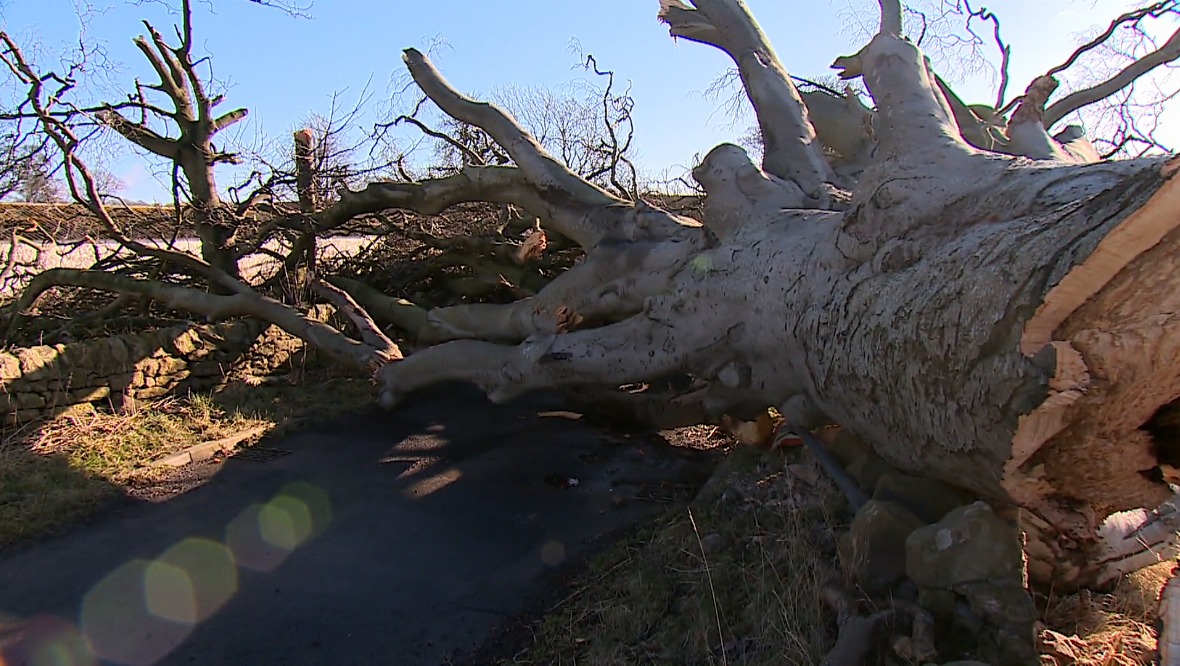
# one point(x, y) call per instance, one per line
point(283, 68)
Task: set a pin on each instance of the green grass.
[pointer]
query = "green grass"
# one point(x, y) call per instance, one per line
point(55, 473)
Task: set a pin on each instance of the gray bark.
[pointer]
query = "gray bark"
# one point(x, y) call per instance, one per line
point(372, 351)
point(192, 150)
point(985, 319)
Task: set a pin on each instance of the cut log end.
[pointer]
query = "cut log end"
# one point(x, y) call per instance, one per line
point(1093, 448)
point(1138, 233)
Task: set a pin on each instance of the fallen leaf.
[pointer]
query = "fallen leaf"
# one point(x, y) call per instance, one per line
point(532, 248)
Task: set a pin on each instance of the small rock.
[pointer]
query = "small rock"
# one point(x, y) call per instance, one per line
point(713, 543)
point(970, 544)
point(1016, 646)
point(966, 618)
point(1002, 603)
point(30, 401)
point(877, 542)
point(928, 499)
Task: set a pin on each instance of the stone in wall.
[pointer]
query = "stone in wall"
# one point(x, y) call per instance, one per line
point(41, 381)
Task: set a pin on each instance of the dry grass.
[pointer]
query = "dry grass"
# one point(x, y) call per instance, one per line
point(741, 586)
point(1114, 629)
point(744, 588)
point(55, 473)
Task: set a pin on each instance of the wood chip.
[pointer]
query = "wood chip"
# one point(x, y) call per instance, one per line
point(560, 414)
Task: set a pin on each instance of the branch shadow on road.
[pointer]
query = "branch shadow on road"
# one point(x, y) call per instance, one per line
point(410, 534)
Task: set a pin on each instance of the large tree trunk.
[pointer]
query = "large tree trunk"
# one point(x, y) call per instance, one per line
point(1000, 323)
point(1015, 347)
point(1011, 344)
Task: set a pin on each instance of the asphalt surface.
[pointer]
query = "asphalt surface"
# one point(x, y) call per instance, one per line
point(384, 538)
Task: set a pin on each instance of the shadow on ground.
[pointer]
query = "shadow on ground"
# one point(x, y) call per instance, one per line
point(377, 538)
point(25, 510)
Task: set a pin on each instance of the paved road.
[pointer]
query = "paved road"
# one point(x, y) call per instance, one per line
point(386, 538)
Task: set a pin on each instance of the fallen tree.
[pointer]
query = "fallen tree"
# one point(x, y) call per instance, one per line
point(986, 303)
point(988, 320)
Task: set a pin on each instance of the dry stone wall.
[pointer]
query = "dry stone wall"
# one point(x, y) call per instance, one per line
point(41, 381)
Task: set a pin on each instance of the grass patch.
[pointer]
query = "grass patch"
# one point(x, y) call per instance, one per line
point(737, 580)
point(118, 447)
point(1112, 629)
point(310, 393)
point(743, 586)
point(58, 472)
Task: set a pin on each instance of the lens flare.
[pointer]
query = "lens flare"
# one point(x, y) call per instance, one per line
point(243, 535)
point(126, 617)
point(284, 522)
point(46, 640)
point(263, 535)
point(315, 501)
point(169, 593)
point(553, 553)
point(191, 580)
point(701, 263)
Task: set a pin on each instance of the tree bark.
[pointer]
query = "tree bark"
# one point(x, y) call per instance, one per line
point(192, 151)
point(372, 351)
point(991, 321)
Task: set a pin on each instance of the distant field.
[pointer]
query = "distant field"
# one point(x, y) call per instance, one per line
point(83, 256)
point(67, 221)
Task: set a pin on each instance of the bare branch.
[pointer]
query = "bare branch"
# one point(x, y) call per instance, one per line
point(475, 157)
point(82, 184)
point(1165, 54)
point(540, 168)
point(584, 224)
point(911, 109)
point(1154, 10)
point(141, 135)
point(1005, 51)
point(977, 131)
point(890, 17)
point(1026, 131)
point(616, 151)
point(213, 306)
point(226, 120)
point(169, 84)
point(790, 150)
point(370, 333)
point(397, 312)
